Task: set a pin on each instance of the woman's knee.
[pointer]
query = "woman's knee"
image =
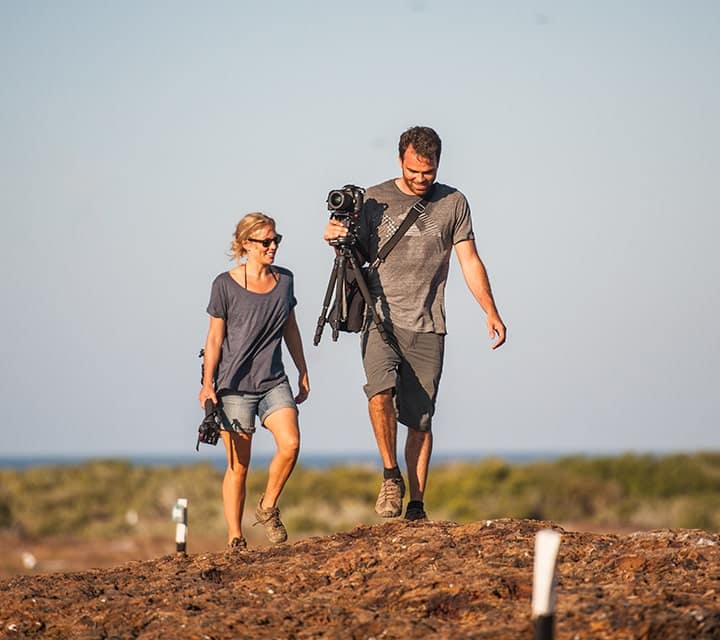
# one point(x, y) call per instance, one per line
point(236, 472)
point(289, 445)
point(283, 425)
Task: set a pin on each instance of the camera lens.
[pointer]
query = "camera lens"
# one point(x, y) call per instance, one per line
point(339, 201)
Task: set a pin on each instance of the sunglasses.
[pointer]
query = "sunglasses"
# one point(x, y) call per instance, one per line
point(268, 241)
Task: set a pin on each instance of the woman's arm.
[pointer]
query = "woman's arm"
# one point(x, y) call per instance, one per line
point(291, 334)
point(213, 344)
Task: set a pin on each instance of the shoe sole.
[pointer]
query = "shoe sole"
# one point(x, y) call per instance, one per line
point(275, 539)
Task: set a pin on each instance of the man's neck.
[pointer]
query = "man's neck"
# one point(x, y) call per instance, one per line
point(402, 186)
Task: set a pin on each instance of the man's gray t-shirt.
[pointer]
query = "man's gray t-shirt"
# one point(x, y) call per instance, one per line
point(409, 286)
point(251, 354)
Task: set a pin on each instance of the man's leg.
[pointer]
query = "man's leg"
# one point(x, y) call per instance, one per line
point(384, 424)
point(381, 363)
point(419, 379)
point(418, 449)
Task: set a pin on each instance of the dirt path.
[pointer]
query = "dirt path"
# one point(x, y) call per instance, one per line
point(393, 580)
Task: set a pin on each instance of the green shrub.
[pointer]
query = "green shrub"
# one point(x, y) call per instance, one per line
point(93, 498)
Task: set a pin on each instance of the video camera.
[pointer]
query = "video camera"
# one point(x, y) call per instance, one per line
point(345, 205)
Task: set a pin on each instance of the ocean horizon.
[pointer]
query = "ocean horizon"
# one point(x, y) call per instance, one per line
point(216, 457)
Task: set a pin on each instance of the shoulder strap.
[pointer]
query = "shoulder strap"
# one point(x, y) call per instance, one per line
point(415, 211)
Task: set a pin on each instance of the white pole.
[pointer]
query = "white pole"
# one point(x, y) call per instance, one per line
point(179, 515)
point(547, 543)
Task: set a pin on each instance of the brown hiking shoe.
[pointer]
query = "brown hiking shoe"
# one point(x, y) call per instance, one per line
point(236, 544)
point(270, 519)
point(389, 502)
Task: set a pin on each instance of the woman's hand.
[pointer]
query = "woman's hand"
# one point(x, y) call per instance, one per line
point(303, 388)
point(206, 393)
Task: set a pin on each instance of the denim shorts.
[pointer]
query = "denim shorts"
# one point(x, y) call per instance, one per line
point(239, 408)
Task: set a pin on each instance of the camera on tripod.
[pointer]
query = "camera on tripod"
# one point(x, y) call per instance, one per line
point(345, 205)
point(347, 303)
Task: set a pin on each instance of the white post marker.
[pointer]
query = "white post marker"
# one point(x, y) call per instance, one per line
point(547, 543)
point(179, 515)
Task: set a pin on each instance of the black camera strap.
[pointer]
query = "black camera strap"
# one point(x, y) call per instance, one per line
point(418, 208)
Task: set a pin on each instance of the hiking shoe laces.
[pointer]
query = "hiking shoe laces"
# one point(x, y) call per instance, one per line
point(389, 502)
point(270, 519)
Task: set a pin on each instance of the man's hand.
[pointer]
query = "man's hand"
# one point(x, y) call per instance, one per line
point(334, 229)
point(496, 328)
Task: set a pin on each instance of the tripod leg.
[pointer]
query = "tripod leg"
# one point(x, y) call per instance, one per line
point(326, 303)
point(340, 309)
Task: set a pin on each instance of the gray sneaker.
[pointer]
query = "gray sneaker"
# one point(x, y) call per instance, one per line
point(389, 502)
point(270, 519)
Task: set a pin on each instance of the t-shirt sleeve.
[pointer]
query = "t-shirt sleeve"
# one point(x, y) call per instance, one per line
point(463, 223)
point(217, 307)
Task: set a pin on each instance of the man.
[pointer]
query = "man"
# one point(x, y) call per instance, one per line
point(409, 290)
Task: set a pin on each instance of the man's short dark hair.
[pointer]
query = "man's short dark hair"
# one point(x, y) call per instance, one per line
point(424, 140)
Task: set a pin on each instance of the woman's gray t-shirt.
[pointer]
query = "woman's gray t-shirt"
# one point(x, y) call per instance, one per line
point(251, 354)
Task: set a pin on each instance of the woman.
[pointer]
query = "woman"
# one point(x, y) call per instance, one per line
point(251, 309)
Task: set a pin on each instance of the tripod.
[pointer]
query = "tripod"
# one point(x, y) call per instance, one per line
point(345, 259)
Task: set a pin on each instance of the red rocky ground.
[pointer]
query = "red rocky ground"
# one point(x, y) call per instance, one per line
point(392, 580)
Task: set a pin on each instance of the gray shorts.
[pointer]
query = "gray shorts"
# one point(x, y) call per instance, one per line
point(414, 375)
point(240, 407)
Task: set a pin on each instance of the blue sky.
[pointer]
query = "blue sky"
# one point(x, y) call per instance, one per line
point(134, 135)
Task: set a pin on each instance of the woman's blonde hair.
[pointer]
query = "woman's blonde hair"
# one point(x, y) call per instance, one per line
point(248, 224)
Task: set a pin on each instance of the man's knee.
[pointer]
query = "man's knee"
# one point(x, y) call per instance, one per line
point(382, 402)
point(422, 429)
point(419, 435)
point(381, 397)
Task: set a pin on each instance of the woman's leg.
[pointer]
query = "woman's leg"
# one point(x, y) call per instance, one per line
point(237, 447)
point(283, 424)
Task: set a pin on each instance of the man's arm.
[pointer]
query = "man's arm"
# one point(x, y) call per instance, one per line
point(478, 282)
point(291, 334)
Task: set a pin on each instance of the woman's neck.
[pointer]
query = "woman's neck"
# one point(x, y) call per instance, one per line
point(257, 269)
